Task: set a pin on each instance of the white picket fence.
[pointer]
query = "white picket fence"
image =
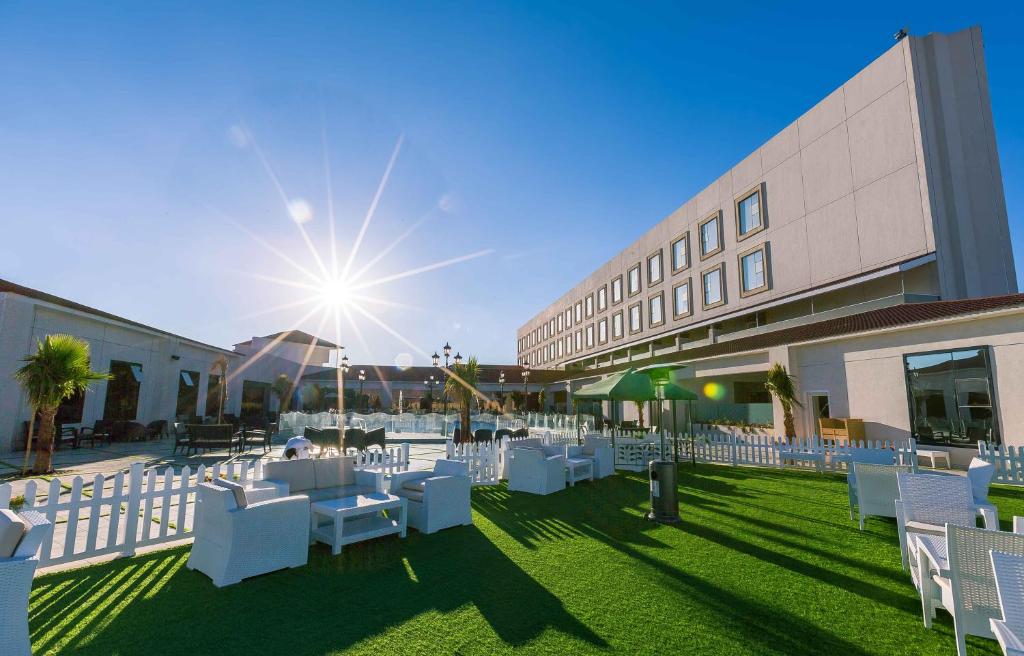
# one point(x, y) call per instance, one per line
point(123, 512)
point(482, 458)
point(1007, 460)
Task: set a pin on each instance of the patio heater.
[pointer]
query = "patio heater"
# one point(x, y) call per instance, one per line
point(664, 493)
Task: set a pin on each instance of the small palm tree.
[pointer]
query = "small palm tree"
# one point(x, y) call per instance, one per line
point(461, 386)
point(782, 386)
point(58, 370)
point(283, 389)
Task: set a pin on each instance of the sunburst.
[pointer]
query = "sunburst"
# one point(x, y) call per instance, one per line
point(334, 290)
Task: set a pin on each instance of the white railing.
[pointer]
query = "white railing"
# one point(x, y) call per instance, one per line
point(120, 513)
point(388, 461)
point(1007, 460)
point(482, 458)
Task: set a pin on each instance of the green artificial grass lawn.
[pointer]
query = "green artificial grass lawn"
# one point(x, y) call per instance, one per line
point(764, 562)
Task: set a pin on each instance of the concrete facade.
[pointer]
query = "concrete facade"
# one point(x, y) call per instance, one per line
point(892, 181)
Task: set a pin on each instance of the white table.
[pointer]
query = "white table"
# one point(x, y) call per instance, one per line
point(932, 454)
point(578, 469)
point(358, 518)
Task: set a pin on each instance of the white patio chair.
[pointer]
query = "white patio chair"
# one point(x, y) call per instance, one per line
point(530, 470)
point(875, 489)
point(961, 580)
point(980, 474)
point(930, 501)
point(599, 449)
point(20, 537)
point(437, 499)
point(235, 539)
point(865, 456)
point(1009, 575)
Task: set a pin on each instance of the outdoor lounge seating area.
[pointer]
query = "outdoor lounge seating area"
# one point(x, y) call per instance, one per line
point(764, 561)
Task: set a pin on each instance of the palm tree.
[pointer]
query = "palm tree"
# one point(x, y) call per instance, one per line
point(283, 389)
point(58, 370)
point(782, 386)
point(461, 386)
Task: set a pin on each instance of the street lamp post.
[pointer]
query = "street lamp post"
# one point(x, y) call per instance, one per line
point(343, 369)
point(501, 389)
point(526, 391)
point(362, 377)
point(430, 386)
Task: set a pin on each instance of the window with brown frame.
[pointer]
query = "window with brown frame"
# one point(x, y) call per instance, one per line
point(654, 272)
point(616, 290)
point(656, 310)
point(710, 232)
point(635, 318)
point(681, 253)
point(681, 300)
point(617, 332)
point(750, 214)
point(713, 287)
point(633, 280)
point(753, 266)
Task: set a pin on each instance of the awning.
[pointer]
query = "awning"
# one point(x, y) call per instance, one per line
point(623, 386)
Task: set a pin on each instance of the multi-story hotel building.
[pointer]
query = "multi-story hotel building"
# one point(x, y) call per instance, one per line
point(887, 192)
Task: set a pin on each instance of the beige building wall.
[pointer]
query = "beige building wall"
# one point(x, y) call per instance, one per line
point(852, 186)
point(864, 376)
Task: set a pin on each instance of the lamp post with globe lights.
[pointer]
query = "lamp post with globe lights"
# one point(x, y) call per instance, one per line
point(362, 377)
point(526, 391)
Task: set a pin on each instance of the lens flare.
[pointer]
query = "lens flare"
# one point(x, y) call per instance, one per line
point(714, 391)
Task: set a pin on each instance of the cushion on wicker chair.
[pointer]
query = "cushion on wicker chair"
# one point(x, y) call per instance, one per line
point(418, 485)
point(237, 490)
point(980, 474)
point(12, 529)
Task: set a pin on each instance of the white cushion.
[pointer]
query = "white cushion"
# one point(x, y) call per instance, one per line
point(450, 468)
point(12, 529)
point(980, 474)
point(237, 490)
point(334, 472)
point(418, 485)
point(298, 474)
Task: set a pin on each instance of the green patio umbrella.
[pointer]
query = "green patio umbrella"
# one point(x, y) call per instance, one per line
point(622, 386)
point(661, 378)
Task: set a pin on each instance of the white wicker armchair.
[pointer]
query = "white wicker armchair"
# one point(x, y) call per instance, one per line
point(16, 573)
point(962, 581)
point(530, 470)
point(865, 456)
point(235, 539)
point(1009, 574)
point(875, 489)
point(599, 449)
point(437, 499)
point(930, 501)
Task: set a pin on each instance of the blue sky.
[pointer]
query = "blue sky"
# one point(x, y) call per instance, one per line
point(537, 137)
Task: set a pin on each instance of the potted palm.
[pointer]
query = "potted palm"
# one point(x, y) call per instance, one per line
point(461, 386)
point(57, 370)
point(782, 386)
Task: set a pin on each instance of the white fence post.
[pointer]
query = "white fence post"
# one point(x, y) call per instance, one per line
point(132, 519)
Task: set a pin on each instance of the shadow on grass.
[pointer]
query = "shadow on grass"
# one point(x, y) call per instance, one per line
point(152, 604)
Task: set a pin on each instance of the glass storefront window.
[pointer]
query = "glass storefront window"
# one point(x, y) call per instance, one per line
point(951, 398)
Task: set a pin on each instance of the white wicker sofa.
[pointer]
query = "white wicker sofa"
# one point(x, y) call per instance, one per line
point(437, 499)
point(319, 479)
point(20, 537)
point(238, 535)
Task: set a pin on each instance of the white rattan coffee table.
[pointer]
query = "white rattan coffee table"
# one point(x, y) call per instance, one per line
point(358, 518)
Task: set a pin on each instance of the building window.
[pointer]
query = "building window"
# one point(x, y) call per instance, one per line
point(568, 344)
point(560, 326)
point(213, 395)
point(560, 353)
point(633, 280)
point(568, 319)
point(656, 310)
point(254, 398)
point(579, 340)
point(635, 324)
point(70, 410)
point(589, 305)
point(749, 214)
point(710, 235)
point(578, 312)
point(680, 254)
point(122, 400)
point(551, 327)
point(188, 395)
point(681, 300)
point(711, 283)
point(951, 397)
point(654, 273)
point(617, 325)
point(602, 299)
point(617, 290)
point(602, 331)
point(590, 336)
point(545, 336)
point(753, 274)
